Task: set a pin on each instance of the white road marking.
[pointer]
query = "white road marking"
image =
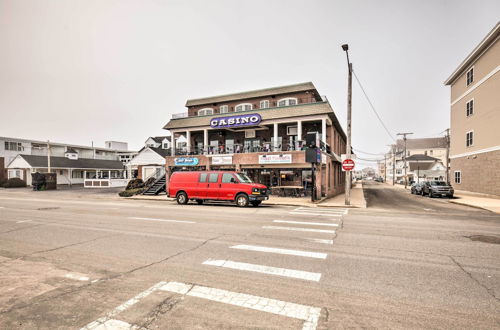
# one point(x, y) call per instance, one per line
point(299, 274)
point(323, 241)
point(162, 220)
point(309, 314)
point(1, 207)
point(116, 325)
point(319, 210)
point(428, 210)
point(307, 223)
point(301, 229)
point(100, 322)
point(23, 221)
point(76, 277)
point(318, 214)
point(317, 255)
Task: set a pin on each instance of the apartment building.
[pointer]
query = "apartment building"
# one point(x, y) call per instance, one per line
point(262, 133)
point(425, 160)
point(72, 163)
point(475, 118)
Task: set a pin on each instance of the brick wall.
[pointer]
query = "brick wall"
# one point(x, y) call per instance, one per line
point(480, 173)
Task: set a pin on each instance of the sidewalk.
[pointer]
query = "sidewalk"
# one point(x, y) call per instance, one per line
point(357, 199)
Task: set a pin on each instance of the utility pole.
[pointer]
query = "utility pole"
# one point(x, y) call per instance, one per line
point(348, 181)
point(404, 156)
point(447, 155)
point(385, 167)
point(48, 156)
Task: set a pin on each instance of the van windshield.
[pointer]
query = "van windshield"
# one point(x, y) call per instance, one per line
point(243, 178)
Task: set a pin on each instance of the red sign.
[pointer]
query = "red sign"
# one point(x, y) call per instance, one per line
point(348, 164)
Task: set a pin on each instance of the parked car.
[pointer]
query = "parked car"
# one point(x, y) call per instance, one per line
point(416, 188)
point(216, 186)
point(437, 188)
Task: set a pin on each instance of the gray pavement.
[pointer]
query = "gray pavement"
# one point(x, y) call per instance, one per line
point(72, 260)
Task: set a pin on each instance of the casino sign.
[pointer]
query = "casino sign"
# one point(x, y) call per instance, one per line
point(250, 119)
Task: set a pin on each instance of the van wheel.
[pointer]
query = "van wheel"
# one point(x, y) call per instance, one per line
point(199, 201)
point(242, 200)
point(256, 203)
point(182, 198)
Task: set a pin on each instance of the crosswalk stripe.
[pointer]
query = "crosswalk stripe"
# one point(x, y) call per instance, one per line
point(320, 210)
point(308, 314)
point(323, 241)
point(319, 214)
point(298, 274)
point(161, 220)
point(301, 229)
point(317, 255)
point(307, 223)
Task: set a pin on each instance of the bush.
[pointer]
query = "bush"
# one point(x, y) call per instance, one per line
point(14, 183)
point(2, 182)
point(134, 184)
point(131, 192)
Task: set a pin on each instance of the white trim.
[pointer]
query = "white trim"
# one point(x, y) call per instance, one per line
point(481, 151)
point(224, 107)
point(479, 83)
point(266, 107)
point(287, 101)
point(204, 111)
point(242, 105)
point(455, 177)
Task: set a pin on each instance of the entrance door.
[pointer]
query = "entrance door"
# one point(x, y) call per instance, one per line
point(213, 186)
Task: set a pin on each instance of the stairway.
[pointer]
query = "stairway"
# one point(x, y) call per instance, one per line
point(157, 187)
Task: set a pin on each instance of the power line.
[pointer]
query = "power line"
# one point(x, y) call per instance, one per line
point(373, 108)
point(368, 153)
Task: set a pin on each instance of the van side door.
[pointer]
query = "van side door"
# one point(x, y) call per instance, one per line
point(201, 186)
point(213, 186)
point(228, 187)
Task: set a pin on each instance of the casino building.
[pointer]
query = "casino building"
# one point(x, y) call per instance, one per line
point(263, 134)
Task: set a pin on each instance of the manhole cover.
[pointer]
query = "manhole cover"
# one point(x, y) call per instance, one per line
point(47, 208)
point(485, 239)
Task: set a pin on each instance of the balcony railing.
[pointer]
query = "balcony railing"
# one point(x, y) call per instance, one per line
point(273, 104)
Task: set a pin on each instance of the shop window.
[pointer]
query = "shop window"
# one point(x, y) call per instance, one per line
point(264, 104)
point(287, 101)
point(243, 107)
point(458, 177)
point(205, 112)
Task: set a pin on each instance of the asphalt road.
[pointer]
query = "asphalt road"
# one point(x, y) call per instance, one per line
point(72, 261)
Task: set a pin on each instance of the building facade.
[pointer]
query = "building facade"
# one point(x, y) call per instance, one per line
point(475, 119)
point(263, 134)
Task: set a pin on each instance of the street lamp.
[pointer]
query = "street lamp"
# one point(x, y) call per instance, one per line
point(348, 180)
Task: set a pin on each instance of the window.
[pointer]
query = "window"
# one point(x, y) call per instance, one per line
point(206, 112)
point(14, 146)
point(287, 101)
point(223, 109)
point(470, 76)
point(77, 174)
point(243, 107)
point(203, 177)
point(470, 108)
point(458, 177)
point(469, 139)
point(15, 174)
point(430, 152)
point(264, 104)
point(213, 177)
point(226, 177)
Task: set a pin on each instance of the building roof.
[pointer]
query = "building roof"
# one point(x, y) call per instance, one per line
point(159, 139)
point(490, 39)
point(420, 158)
point(425, 143)
point(80, 163)
point(302, 87)
point(58, 144)
point(288, 112)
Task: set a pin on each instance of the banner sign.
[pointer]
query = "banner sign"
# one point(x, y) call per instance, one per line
point(275, 159)
point(236, 121)
point(222, 160)
point(186, 161)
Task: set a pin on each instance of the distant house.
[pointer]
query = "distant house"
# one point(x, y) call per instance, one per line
point(425, 168)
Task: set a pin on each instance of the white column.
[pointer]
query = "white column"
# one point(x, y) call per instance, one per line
point(188, 142)
point(275, 133)
point(299, 130)
point(323, 131)
point(205, 141)
point(172, 142)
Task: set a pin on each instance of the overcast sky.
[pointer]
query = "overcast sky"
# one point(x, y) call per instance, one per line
point(82, 71)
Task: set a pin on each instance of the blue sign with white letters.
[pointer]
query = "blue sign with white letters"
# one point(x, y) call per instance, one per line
point(186, 161)
point(236, 121)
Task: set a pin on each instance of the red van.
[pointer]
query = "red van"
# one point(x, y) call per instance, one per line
point(216, 186)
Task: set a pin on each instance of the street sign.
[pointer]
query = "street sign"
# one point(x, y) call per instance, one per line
point(348, 165)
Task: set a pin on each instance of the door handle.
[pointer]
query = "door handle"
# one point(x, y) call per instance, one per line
point(208, 185)
point(220, 185)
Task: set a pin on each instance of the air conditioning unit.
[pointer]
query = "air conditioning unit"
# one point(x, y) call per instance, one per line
point(291, 130)
point(250, 134)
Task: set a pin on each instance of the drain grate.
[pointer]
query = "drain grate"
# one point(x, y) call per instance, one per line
point(47, 208)
point(485, 239)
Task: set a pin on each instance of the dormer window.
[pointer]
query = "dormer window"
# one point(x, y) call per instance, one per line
point(243, 107)
point(264, 104)
point(287, 101)
point(205, 112)
point(224, 109)
point(470, 76)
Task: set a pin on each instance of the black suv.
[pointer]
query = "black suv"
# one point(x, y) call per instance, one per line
point(437, 188)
